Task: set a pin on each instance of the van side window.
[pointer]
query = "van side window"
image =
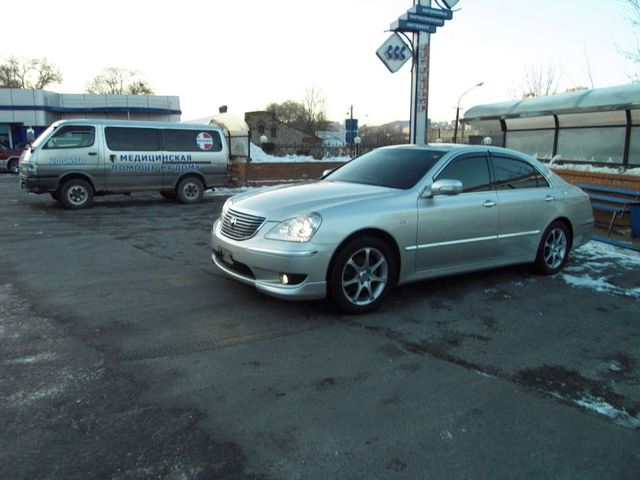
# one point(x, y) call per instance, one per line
point(514, 174)
point(125, 139)
point(472, 171)
point(191, 140)
point(72, 136)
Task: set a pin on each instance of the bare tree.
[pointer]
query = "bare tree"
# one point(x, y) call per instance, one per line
point(19, 72)
point(314, 110)
point(119, 81)
point(289, 112)
point(309, 115)
point(538, 82)
point(633, 17)
point(47, 73)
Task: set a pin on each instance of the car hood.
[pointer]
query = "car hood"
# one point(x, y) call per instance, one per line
point(281, 203)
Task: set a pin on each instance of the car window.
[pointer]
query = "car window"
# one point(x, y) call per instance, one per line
point(191, 140)
point(388, 167)
point(72, 136)
point(132, 139)
point(516, 174)
point(471, 170)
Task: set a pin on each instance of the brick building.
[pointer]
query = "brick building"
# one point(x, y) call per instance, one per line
point(281, 138)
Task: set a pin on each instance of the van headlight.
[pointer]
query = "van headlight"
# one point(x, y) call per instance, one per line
point(300, 229)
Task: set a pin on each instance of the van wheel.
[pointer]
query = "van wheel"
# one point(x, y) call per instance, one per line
point(168, 195)
point(13, 166)
point(76, 193)
point(190, 190)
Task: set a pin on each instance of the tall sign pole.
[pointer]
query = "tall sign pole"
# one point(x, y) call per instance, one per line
point(422, 20)
point(419, 117)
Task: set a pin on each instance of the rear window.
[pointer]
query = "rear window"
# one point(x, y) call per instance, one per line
point(191, 140)
point(388, 167)
point(132, 139)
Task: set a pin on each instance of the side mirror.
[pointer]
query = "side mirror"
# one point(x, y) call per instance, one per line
point(443, 187)
point(326, 172)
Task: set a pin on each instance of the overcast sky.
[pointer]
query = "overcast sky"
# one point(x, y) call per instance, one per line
point(249, 53)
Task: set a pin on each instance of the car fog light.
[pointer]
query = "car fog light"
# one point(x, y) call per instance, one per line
point(292, 278)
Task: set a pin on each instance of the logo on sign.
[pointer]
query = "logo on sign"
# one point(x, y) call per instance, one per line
point(205, 141)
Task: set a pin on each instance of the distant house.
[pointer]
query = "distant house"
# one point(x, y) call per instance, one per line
point(281, 138)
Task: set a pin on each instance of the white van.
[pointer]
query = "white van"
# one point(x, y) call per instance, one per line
point(75, 160)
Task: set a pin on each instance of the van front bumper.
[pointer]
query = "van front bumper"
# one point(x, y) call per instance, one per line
point(38, 184)
point(287, 270)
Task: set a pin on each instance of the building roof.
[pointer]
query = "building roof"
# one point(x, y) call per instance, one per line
point(621, 97)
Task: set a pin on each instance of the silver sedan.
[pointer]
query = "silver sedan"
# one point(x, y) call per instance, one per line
point(397, 215)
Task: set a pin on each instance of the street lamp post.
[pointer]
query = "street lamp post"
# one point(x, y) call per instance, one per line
point(455, 128)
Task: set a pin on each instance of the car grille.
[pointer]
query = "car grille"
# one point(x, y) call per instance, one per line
point(240, 226)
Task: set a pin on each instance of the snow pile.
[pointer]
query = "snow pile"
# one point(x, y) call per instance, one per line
point(597, 266)
point(229, 192)
point(259, 156)
point(592, 169)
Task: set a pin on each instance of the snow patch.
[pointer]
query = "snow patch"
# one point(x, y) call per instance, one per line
point(259, 156)
point(598, 405)
point(596, 265)
point(41, 357)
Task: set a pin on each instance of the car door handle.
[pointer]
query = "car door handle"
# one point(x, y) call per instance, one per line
point(92, 154)
point(549, 198)
point(489, 204)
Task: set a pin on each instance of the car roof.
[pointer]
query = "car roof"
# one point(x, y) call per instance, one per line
point(459, 148)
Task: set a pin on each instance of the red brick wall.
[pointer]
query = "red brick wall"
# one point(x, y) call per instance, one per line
point(272, 173)
point(630, 182)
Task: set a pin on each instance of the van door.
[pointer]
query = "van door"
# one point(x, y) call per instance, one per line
point(72, 148)
point(134, 159)
point(193, 150)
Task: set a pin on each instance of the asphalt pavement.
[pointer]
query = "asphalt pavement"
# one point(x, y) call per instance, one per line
point(124, 353)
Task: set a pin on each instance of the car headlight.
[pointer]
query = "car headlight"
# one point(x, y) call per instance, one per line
point(299, 229)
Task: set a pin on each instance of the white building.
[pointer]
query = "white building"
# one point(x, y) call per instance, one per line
point(24, 108)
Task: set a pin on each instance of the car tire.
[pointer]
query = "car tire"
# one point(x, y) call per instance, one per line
point(76, 193)
point(168, 195)
point(553, 250)
point(361, 275)
point(190, 190)
point(13, 166)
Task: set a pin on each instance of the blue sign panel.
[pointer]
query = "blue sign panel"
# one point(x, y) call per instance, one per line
point(351, 130)
point(407, 26)
point(431, 12)
point(414, 17)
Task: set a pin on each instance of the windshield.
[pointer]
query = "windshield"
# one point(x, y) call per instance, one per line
point(44, 135)
point(388, 167)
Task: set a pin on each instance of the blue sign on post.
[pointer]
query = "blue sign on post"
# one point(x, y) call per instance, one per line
point(407, 26)
point(414, 17)
point(431, 12)
point(350, 130)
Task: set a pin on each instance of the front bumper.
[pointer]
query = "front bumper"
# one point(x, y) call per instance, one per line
point(261, 262)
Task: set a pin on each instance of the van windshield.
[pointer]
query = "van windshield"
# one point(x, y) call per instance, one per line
point(43, 136)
